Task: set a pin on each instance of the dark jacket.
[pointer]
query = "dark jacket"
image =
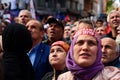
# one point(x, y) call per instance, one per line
point(115, 63)
point(17, 41)
point(41, 64)
point(50, 75)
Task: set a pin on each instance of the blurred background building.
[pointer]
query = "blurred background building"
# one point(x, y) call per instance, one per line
point(73, 8)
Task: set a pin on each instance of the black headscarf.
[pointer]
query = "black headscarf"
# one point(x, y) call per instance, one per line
point(17, 41)
point(16, 38)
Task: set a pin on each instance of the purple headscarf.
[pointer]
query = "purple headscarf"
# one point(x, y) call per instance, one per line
point(87, 73)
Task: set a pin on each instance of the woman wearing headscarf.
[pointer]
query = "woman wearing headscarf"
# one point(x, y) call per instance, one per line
point(84, 59)
point(17, 41)
point(57, 57)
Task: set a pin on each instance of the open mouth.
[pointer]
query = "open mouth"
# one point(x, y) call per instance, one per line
point(52, 32)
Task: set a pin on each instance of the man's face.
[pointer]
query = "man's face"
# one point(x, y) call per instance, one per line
point(114, 19)
point(67, 31)
point(73, 30)
point(54, 32)
point(108, 50)
point(100, 31)
point(23, 18)
point(99, 24)
point(75, 24)
point(34, 28)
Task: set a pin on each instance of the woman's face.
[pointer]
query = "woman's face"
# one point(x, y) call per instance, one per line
point(57, 56)
point(85, 50)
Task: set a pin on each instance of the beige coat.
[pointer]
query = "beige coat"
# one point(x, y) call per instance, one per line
point(108, 73)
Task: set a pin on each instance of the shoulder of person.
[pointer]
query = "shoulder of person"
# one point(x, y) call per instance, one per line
point(66, 76)
point(45, 45)
point(110, 69)
point(111, 72)
point(44, 48)
point(108, 73)
point(48, 76)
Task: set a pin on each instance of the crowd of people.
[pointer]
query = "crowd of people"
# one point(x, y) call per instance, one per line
point(52, 49)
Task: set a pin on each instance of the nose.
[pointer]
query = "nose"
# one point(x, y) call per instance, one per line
point(54, 54)
point(85, 47)
point(52, 27)
point(103, 49)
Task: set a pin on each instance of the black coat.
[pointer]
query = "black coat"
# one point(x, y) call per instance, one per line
point(49, 75)
point(17, 41)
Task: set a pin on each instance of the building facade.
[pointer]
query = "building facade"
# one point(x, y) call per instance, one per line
point(72, 7)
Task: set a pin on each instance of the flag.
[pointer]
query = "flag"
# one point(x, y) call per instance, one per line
point(32, 9)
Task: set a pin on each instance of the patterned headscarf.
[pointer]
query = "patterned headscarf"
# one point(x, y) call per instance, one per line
point(63, 44)
point(84, 73)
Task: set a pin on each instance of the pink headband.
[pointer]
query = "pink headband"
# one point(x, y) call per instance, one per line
point(85, 31)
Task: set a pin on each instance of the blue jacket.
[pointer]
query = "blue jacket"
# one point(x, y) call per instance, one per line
point(41, 64)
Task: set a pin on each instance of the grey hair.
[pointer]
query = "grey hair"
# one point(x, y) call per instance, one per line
point(108, 17)
point(87, 21)
point(26, 11)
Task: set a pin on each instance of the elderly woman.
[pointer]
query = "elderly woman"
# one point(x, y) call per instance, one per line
point(84, 59)
point(57, 59)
